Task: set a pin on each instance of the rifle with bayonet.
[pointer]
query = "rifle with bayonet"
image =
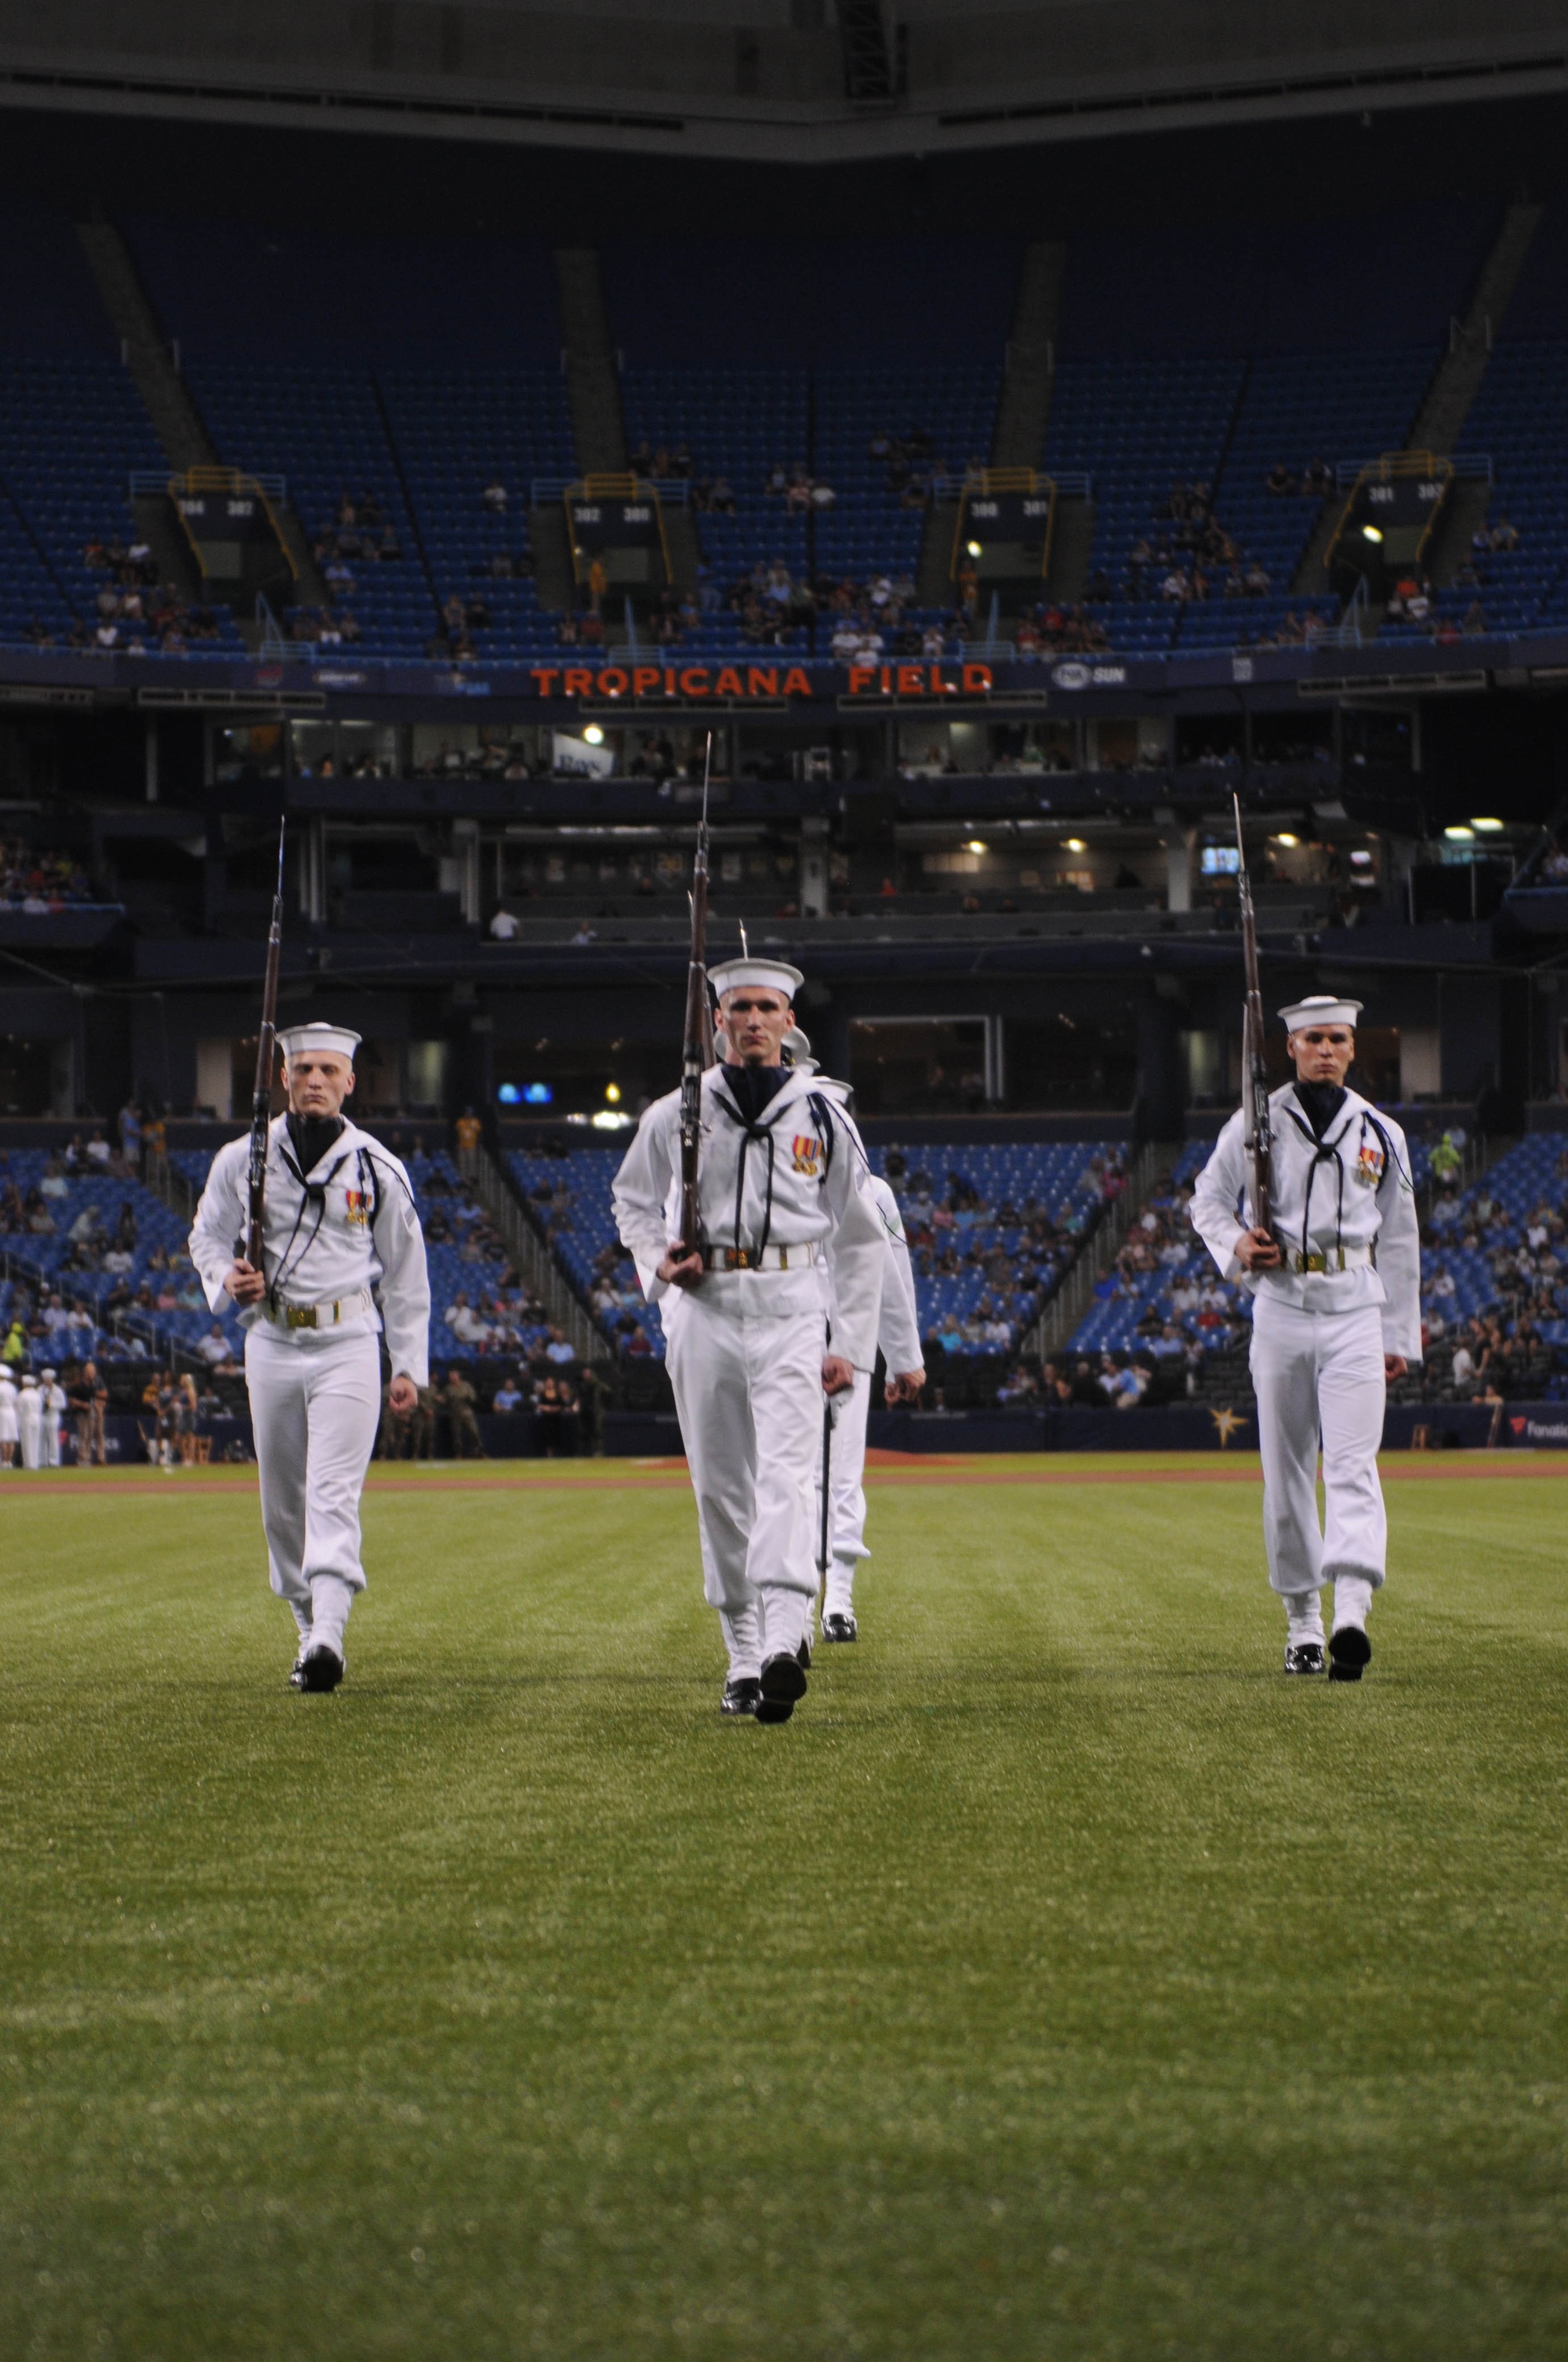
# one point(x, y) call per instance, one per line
point(1256, 1130)
point(697, 1037)
point(261, 1098)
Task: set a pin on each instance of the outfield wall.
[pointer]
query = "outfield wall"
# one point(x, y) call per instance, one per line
point(1422, 1426)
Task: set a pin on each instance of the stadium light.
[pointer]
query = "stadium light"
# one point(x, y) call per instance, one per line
point(977, 845)
point(1460, 836)
point(593, 735)
point(1075, 845)
point(1371, 532)
point(973, 547)
point(509, 1095)
point(613, 1093)
point(1284, 838)
point(1486, 827)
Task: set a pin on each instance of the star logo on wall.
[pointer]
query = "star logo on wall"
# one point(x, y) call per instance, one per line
point(1227, 1423)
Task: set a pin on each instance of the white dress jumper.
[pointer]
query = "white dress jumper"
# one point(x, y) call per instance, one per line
point(744, 1348)
point(1349, 1293)
point(312, 1352)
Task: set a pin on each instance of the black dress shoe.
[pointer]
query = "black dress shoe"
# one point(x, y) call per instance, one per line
point(296, 1677)
point(804, 1654)
point(783, 1678)
point(1304, 1656)
point(320, 1668)
point(840, 1628)
point(783, 1682)
point(1349, 1650)
point(741, 1694)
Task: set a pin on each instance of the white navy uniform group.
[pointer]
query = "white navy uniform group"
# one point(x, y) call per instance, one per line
point(338, 1234)
point(1346, 1294)
point(30, 1414)
point(802, 1254)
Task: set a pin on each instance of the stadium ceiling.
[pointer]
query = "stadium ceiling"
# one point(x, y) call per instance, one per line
point(788, 81)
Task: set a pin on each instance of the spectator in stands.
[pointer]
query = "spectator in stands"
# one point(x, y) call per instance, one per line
point(213, 1349)
point(468, 1132)
point(507, 1397)
point(494, 495)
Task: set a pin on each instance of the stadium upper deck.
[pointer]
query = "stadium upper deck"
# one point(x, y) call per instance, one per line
point(817, 407)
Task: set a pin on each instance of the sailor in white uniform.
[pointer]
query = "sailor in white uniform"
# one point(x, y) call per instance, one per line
point(746, 1317)
point(30, 1422)
point(1336, 1316)
point(54, 1407)
point(339, 1219)
point(897, 1338)
point(8, 1418)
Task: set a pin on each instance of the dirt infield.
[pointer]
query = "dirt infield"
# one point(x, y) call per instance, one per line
point(883, 1469)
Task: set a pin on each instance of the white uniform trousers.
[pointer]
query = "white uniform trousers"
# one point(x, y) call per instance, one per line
point(31, 1422)
point(846, 1496)
point(748, 1389)
point(50, 1437)
point(315, 1409)
point(1320, 1375)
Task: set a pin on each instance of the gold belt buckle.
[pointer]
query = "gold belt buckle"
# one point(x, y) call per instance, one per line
point(299, 1316)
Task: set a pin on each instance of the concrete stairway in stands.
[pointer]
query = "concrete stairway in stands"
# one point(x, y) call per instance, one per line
point(1068, 1307)
point(1456, 382)
point(1440, 422)
point(536, 1265)
point(176, 421)
point(175, 418)
point(594, 388)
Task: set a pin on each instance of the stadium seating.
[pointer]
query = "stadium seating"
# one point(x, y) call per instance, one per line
point(1478, 1240)
point(140, 1327)
point(1001, 1280)
point(866, 531)
point(454, 431)
point(70, 433)
point(417, 369)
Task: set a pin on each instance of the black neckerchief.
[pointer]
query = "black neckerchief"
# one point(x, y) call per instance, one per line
point(1321, 1103)
point(312, 1136)
point(752, 1087)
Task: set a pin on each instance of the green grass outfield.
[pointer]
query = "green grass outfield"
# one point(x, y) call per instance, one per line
point(1063, 1983)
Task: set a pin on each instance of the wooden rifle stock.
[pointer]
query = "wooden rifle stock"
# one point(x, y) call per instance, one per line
point(697, 1036)
point(261, 1098)
point(1255, 1120)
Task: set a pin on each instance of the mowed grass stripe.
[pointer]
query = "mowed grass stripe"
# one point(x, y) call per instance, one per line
point(1062, 1981)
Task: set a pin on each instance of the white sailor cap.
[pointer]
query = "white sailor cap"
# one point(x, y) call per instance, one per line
point(777, 975)
point(48, 1373)
point(319, 1035)
point(797, 1047)
point(28, 1379)
point(1319, 1008)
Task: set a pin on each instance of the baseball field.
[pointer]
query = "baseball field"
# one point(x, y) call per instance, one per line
point(1062, 1983)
